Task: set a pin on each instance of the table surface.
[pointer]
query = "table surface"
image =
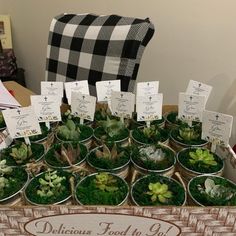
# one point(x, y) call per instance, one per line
point(21, 94)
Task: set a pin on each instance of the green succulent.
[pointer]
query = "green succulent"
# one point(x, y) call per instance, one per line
point(106, 182)
point(107, 154)
point(188, 133)
point(112, 127)
point(159, 192)
point(151, 131)
point(202, 155)
point(102, 111)
point(4, 169)
point(50, 185)
point(22, 153)
point(69, 131)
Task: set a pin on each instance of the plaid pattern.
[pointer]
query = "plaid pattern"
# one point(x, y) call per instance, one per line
point(96, 48)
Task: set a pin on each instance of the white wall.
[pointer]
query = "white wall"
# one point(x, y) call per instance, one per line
point(194, 39)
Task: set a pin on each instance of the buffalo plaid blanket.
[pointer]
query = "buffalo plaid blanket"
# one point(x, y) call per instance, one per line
point(96, 48)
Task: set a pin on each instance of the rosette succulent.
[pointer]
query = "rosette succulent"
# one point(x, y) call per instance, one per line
point(21, 153)
point(202, 155)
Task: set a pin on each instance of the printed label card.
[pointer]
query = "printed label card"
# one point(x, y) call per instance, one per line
point(198, 88)
point(191, 107)
point(76, 86)
point(21, 122)
point(122, 104)
point(149, 108)
point(53, 88)
point(47, 108)
point(147, 88)
point(83, 106)
point(104, 89)
point(216, 128)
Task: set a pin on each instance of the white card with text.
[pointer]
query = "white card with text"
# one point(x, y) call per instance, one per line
point(104, 89)
point(216, 127)
point(147, 88)
point(5, 139)
point(198, 88)
point(52, 88)
point(122, 104)
point(149, 108)
point(83, 105)
point(46, 107)
point(21, 122)
point(191, 107)
point(76, 86)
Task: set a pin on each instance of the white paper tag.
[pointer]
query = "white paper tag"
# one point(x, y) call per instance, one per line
point(83, 105)
point(149, 108)
point(191, 107)
point(104, 89)
point(5, 139)
point(198, 88)
point(76, 86)
point(47, 108)
point(216, 127)
point(122, 104)
point(147, 88)
point(21, 122)
point(53, 88)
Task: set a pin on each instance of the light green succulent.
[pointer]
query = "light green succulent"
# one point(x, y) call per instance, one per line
point(50, 185)
point(69, 131)
point(151, 131)
point(106, 182)
point(187, 133)
point(202, 155)
point(4, 169)
point(159, 192)
point(22, 153)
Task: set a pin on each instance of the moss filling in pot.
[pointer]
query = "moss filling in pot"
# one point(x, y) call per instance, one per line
point(200, 160)
point(72, 132)
point(155, 190)
point(65, 154)
point(2, 122)
point(101, 189)
point(108, 158)
point(49, 187)
point(188, 135)
point(150, 135)
point(213, 191)
point(12, 180)
point(21, 153)
point(153, 157)
point(172, 117)
point(111, 130)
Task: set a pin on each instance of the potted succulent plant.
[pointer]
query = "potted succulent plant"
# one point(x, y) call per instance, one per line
point(198, 161)
point(20, 154)
point(157, 190)
point(110, 131)
point(12, 181)
point(154, 158)
point(211, 190)
point(72, 132)
point(186, 136)
point(113, 158)
point(66, 155)
point(50, 187)
point(149, 135)
point(102, 189)
point(172, 120)
point(102, 112)
point(2, 122)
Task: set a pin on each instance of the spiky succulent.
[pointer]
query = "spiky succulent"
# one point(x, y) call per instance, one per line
point(106, 182)
point(202, 155)
point(107, 154)
point(21, 153)
point(159, 192)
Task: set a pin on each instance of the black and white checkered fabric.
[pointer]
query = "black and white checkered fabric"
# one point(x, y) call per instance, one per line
point(96, 48)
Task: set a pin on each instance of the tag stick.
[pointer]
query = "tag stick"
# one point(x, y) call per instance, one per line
point(148, 123)
point(189, 121)
point(213, 145)
point(47, 124)
point(81, 121)
point(27, 140)
point(122, 119)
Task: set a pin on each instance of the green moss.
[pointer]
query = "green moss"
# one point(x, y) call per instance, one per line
point(141, 187)
point(2, 122)
point(159, 135)
point(51, 159)
point(89, 194)
point(109, 164)
point(144, 161)
point(37, 153)
point(34, 185)
point(184, 158)
point(17, 179)
point(204, 199)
